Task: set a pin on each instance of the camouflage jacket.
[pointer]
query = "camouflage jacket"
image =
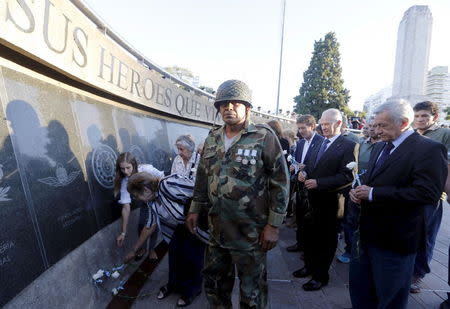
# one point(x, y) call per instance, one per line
point(242, 189)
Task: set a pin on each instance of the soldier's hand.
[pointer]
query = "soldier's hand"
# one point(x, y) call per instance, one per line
point(269, 237)
point(191, 222)
point(291, 169)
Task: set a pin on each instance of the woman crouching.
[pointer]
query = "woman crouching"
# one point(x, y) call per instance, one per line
point(166, 198)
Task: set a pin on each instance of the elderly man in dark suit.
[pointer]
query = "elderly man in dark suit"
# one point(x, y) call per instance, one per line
point(310, 141)
point(326, 174)
point(406, 171)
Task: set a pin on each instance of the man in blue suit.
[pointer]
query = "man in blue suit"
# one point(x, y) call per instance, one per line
point(406, 172)
point(310, 141)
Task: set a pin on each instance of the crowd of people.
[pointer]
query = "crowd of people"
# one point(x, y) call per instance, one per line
point(392, 203)
point(221, 207)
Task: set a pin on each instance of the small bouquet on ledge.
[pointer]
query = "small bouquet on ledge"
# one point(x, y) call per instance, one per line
point(101, 277)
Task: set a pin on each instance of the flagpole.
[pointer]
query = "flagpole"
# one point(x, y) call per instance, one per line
point(281, 57)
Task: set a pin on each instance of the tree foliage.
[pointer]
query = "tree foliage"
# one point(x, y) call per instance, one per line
point(207, 89)
point(322, 86)
point(187, 76)
point(447, 111)
point(182, 73)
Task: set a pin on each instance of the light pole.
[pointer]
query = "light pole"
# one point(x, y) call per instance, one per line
point(281, 57)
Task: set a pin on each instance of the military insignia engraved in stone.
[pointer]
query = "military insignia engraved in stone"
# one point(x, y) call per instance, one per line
point(103, 165)
point(62, 178)
point(4, 194)
point(138, 154)
point(3, 190)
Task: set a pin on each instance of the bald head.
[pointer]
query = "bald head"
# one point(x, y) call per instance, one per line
point(331, 122)
point(332, 113)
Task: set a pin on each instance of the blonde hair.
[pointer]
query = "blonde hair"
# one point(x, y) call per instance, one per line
point(290, 136)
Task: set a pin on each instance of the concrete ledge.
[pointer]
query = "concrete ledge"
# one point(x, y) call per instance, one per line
point(68, 284)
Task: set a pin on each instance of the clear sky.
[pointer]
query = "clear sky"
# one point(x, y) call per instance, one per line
point(223, 39)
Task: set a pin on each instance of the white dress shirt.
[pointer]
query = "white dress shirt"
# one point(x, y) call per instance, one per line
point(306, 147)
point(179, 168)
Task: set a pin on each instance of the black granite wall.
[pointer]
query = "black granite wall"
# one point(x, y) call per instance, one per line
point(57, 159)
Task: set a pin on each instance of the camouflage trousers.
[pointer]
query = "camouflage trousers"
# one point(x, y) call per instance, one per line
point(219, 274)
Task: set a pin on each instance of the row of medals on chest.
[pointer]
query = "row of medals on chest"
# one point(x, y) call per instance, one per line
point(246, 156)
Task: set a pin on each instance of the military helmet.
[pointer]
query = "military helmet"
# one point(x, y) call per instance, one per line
point(233, 90)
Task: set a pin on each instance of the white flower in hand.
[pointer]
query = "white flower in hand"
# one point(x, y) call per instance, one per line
point(115, 291)
point(352, 165)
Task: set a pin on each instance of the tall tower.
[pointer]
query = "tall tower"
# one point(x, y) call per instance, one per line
point(413, 50)
point(438, 89)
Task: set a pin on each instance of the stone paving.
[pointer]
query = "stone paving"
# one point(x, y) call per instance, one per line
point(286, 292)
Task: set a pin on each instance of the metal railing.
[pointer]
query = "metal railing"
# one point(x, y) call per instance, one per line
point(270, 117)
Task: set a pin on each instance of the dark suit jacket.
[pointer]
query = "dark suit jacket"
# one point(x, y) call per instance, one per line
point(331, 173)
point(413, 176)
point(315, 145)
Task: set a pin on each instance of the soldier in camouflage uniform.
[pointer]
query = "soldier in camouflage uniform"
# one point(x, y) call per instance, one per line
point(242, 182)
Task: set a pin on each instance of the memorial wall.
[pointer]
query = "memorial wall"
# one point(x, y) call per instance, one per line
point(72, 100)
point(59, 148)
point(60, 143)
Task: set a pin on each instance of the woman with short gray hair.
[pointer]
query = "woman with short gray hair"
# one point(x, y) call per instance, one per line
point(185, 163)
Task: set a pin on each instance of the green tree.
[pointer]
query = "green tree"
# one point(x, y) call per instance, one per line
point(447, 110)
point(207, 89)
point(182, 73)
point(322, 86)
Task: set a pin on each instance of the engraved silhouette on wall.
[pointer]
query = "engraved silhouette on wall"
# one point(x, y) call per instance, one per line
point(21, 256)
point(61, 207)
